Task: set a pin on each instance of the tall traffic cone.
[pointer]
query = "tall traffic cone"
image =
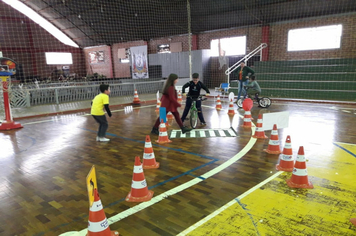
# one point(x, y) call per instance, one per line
point(139, 191)
point(136, 99)
point(149, 160)
point(273, 144)
point(231, 109)
point(286, 163)
point(163, 136)
point(300, 175)
point(170, 116)
point(259, 133)
point(98, 225)
point(158, 105)
point(179, 97)
point(247, 119)
point(218, 103)
point(353, 221)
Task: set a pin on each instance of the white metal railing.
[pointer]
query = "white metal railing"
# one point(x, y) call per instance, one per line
point(245, 58)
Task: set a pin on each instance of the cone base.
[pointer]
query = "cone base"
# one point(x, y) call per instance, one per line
point(353, 221)
point(10, 125)
point(146, 198)
point(112, 233)
point(278, 167)
point(272, 152)
point(155, 166)
point(261, 136)
point(309, 185)
point(136, 103)
point(165, 141)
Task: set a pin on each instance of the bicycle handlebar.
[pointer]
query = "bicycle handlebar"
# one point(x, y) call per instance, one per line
point(200, 97)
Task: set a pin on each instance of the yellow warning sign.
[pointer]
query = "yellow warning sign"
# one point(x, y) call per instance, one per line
point(91, 185)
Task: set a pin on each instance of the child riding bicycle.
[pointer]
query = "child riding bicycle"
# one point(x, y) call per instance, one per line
point(194, 91)
point(253, 88)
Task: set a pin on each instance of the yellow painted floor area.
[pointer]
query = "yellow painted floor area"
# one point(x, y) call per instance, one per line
point(276, 209)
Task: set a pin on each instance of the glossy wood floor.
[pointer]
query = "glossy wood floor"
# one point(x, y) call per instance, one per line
point(45, 164)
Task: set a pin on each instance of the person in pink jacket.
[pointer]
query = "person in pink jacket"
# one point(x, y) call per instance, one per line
point(170, 102)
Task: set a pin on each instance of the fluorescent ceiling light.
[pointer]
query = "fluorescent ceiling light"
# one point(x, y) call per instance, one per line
point(41, 21)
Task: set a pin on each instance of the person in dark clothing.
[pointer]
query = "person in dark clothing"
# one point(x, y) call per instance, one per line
point(242, 74)
point(98, 104)
point(194, 91)
point(169, 101)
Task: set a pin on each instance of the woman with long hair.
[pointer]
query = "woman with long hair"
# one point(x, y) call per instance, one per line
point(169, 101)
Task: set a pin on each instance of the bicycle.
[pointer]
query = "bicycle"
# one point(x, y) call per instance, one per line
point(193, 112)
point(263, 102)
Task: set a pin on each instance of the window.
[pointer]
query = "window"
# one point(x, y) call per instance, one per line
point(232, 46)
point(59, 58)
point(316, 38)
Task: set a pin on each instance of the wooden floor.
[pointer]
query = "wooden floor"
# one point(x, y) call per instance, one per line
point(45, 164)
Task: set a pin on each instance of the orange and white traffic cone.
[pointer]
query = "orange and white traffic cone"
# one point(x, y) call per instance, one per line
point(139, 191)
point(353, 221)
point(300, 175)
point(170, 116)
point(98, 225)
point(231, 111)
point(158, 105)
point(149, 160)
point(218, 103)
point(247, 119)
point(163, 135)
point(286, 163)
point(180, 100)
point(273, 144)
point(136, 99)
point(259, 133)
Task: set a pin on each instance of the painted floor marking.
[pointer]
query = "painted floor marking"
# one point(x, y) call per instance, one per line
point(204, 133)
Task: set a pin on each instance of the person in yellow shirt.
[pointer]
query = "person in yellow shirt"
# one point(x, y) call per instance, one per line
point(100, 102)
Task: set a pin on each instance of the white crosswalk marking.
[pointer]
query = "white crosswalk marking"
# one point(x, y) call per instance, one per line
point(204, 133)
point(212, 133)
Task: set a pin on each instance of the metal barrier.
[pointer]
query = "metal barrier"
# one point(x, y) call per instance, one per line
point(32, 97)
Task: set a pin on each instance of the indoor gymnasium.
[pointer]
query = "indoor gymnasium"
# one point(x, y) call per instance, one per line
point(181, 117)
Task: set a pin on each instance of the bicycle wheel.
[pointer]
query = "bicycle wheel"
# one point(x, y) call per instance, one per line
point(264, 102)
point(193, 118)
point(239, 102)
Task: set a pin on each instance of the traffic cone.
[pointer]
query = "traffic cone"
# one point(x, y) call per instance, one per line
point(163, 136)
point(136, 99)
point(180, 100)
point(353, 221)
point(231, 109)
point(218, 103)
point(273, 144)
point(286, 163)
point(300, 175)
point(170, 116)
point(158, 105)
point(259, 133)
point(139, 191)
point(247, 119)
point(98, 225)
point(149, 160)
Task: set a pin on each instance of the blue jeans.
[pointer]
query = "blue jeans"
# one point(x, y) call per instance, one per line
point(188, 104)
point(241, 87)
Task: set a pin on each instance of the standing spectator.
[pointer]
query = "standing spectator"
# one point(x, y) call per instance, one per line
point(242, 74)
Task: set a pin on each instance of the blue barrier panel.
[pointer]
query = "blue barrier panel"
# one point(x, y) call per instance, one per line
point(162, 114)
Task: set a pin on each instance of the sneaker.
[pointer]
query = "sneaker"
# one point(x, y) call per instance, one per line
point(185, 129)
point(155, 131)
point(104, 139)
point(203, 123)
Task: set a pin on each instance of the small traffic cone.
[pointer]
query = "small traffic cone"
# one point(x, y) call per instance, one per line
point(300, 175)
point(231, 109)
point(158, 105)
point(259, 133)
point(170, 116)
point(247, 119)
point(163, 136)
point(149, 160)
point(273, 144)
point(353, 221)
point(139, 191)
point(180, 100)
point(286, 163)
point(98, 225)
point(136, 99)
point(218, 103)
